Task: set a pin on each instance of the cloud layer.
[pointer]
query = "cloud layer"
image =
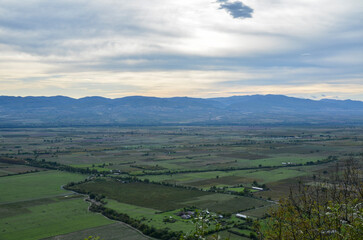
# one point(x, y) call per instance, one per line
point(182, 48)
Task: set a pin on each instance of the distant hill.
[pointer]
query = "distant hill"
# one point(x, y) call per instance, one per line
point(137, 110)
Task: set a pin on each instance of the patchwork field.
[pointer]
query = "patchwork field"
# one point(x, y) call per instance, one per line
point(184, 148)
point(222, 162)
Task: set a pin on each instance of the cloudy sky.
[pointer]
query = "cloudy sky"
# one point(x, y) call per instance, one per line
point(197, 48)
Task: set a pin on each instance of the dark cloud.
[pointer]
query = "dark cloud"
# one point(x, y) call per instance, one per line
point(236, 9)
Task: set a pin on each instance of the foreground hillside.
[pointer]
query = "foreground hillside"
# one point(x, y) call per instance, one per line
point(256, 109)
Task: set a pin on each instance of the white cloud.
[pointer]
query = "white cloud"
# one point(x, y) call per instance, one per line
point(82, 40)
point(163, 26)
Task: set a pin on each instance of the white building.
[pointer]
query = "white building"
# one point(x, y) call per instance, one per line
point(257, 188)
point(241, 216)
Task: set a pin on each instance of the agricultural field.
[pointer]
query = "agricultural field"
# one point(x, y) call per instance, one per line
point(258, 212)
point(34, 206)
point(229, 178)
point(165, 198)
point(115, 231)
point(35, 185)
point(185, 148)
point(40, 219)
point(7, 169)
point(170, 169)
point(228, 235)
point(152, 196)
point(152, 217)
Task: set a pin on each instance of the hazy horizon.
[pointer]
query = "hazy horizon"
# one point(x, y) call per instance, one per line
point(95, 96)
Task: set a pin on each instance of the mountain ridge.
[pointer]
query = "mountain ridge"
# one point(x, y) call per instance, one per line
point(140, 110)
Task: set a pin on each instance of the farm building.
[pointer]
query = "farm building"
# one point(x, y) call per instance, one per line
point(257, 188)
point(241, 216)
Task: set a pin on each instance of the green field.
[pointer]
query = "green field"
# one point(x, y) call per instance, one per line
point(152, 217)
point(140, 194)
point(230, 236)
point(35, 185)
point(36, 221)
point(34, 206)
point(236, 189)
point(7, 169)
point(225, 203)
point(114, 231)
point(258, 212)
point(230, 178)
point(164, 198)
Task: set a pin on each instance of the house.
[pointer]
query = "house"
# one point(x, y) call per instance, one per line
point(185, 216)
point(241, 216)
point(190, 213)
point(257, 188)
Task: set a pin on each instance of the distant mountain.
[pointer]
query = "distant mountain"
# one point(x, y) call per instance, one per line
point(138, 110)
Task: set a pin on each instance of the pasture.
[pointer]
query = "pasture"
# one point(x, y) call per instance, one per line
point(34, 206)
point(40, 219)
point(115, 231)
point(228, 235)
point(152, 217)
point(35, 185)
point(225, 203)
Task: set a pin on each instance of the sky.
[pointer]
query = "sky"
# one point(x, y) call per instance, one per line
point(196, 48)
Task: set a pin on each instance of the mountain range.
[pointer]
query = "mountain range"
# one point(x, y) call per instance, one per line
point(138, 110)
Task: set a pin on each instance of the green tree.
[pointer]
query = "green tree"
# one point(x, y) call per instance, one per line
point(92, 238)
point(328, 209)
